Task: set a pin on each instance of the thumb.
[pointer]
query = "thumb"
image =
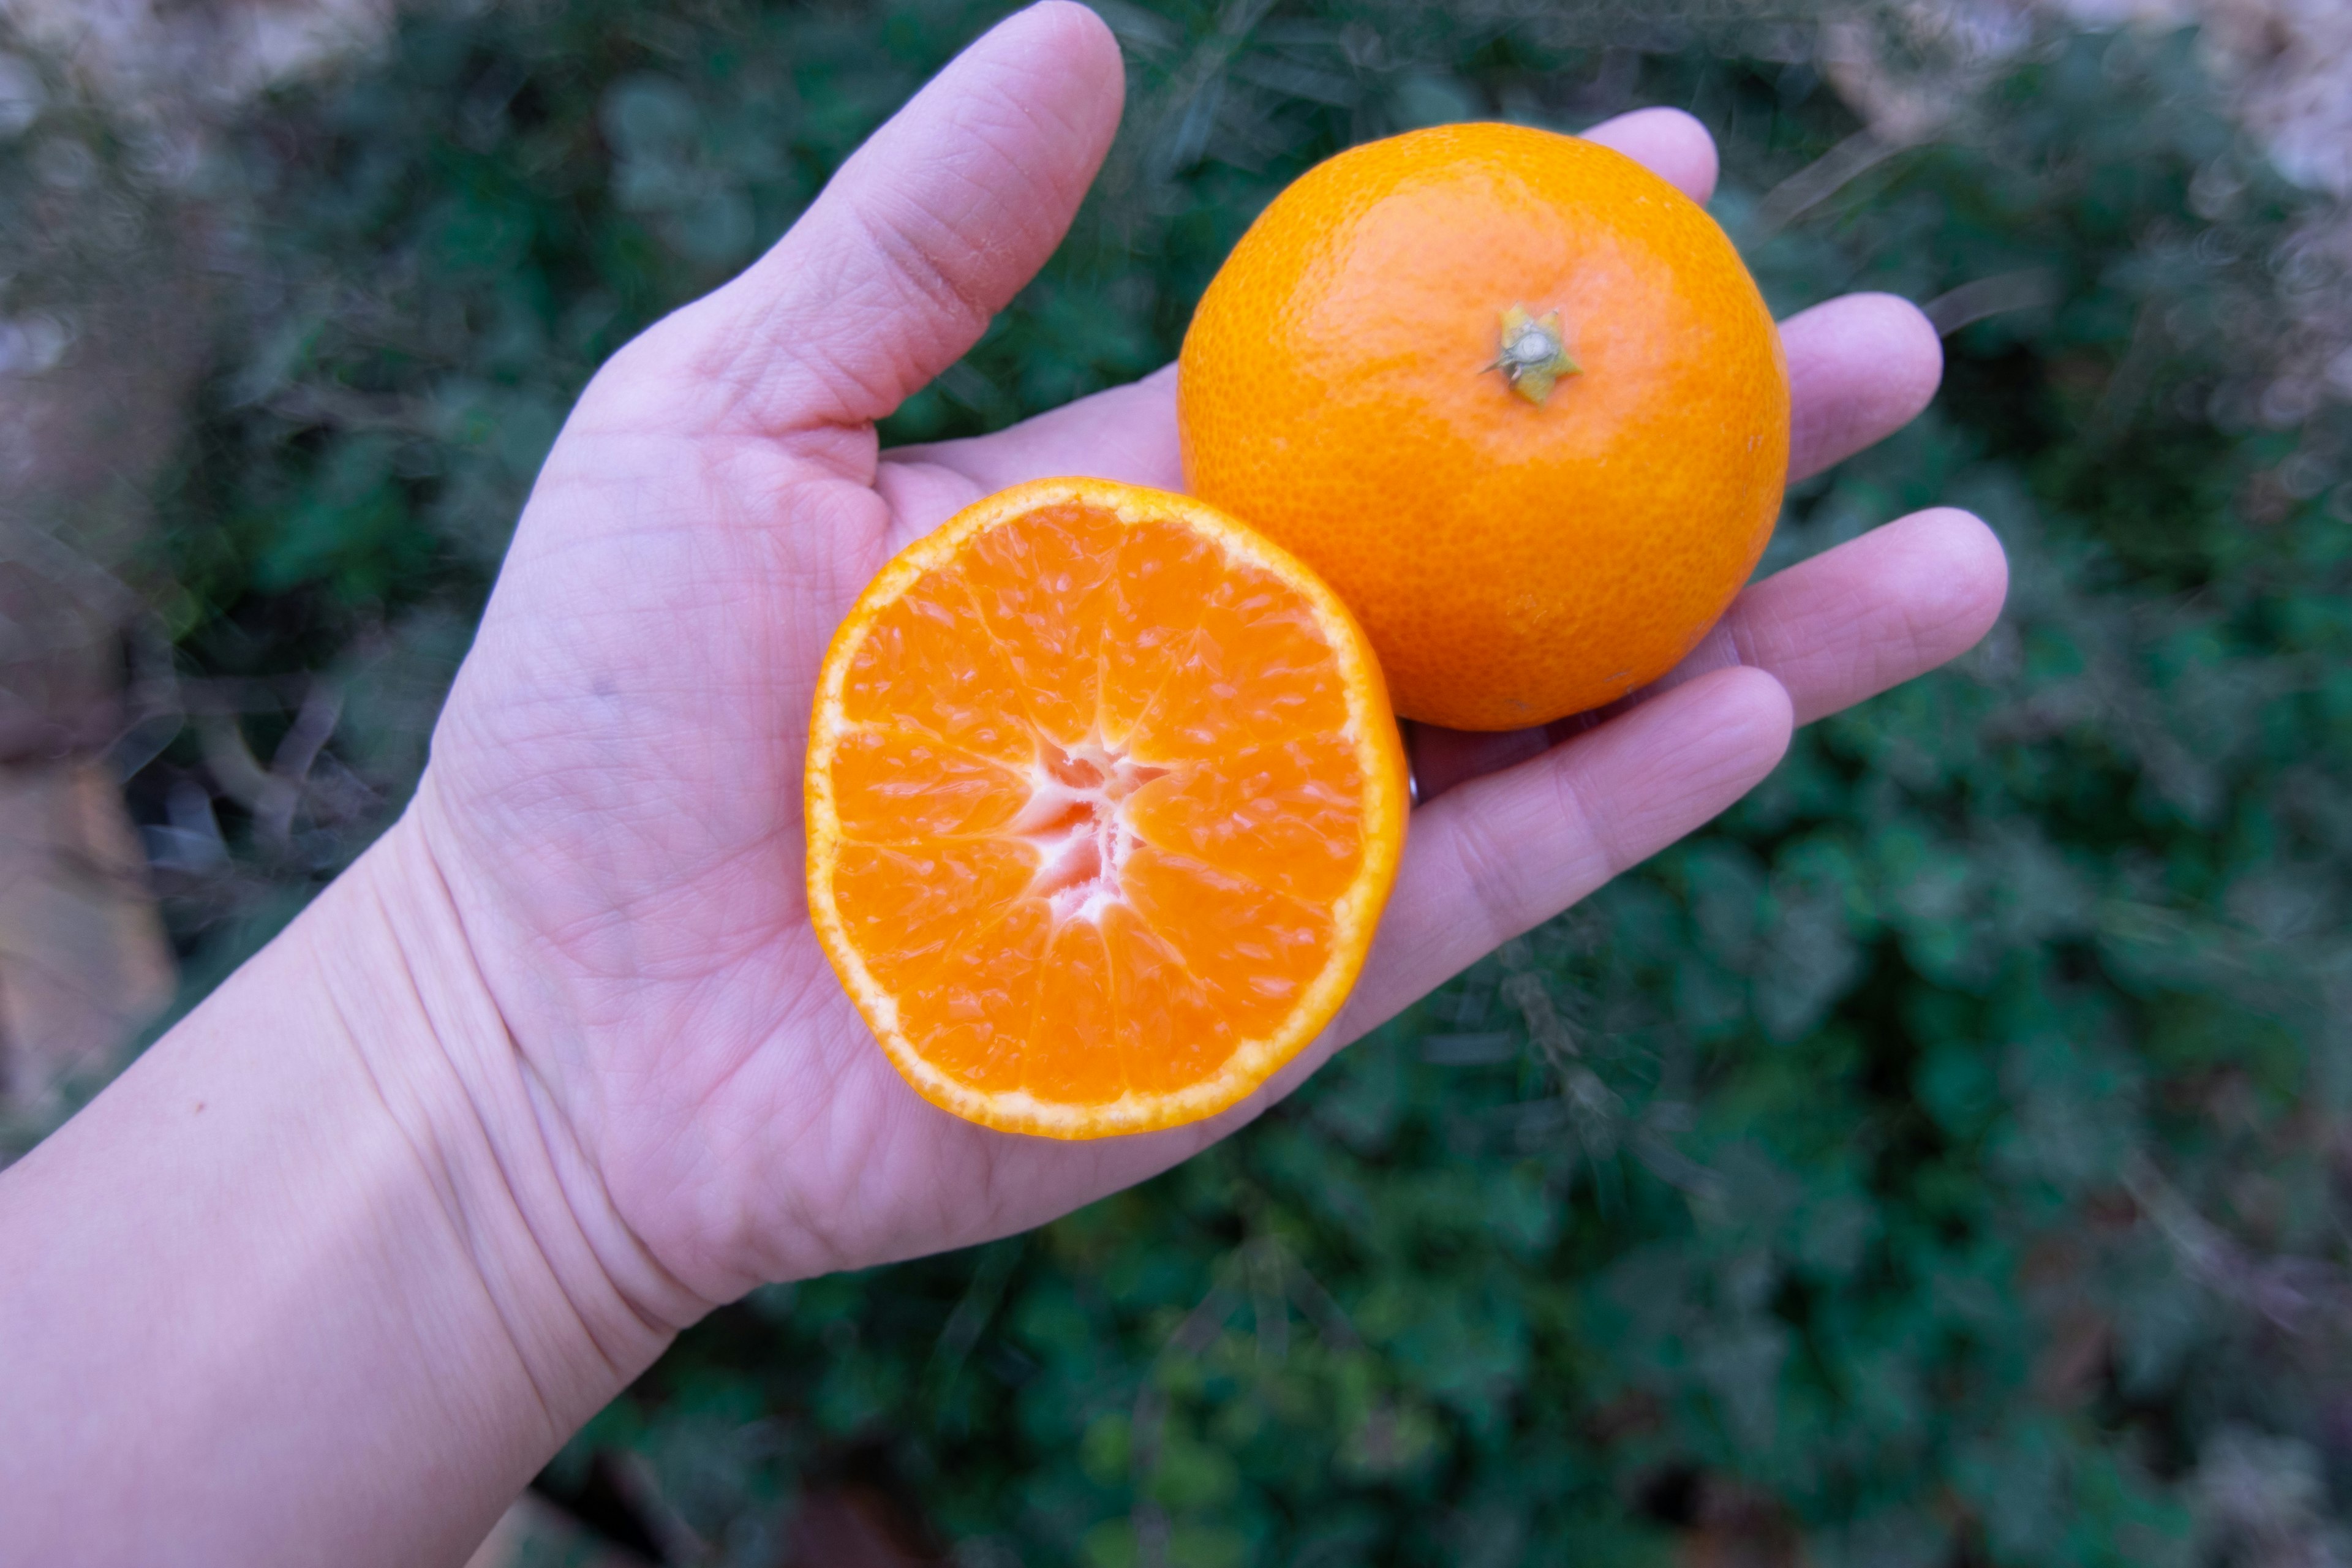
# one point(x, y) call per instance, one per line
point(924, 234)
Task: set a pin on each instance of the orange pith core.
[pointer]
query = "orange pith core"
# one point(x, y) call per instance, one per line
point(1076, 821)
point(1101, 810)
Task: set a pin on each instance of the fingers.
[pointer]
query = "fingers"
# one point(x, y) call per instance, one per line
point(1833, 630)
point(1869, 615)
point(1860, 368)
point(1505, 853)
point(1668, 142)
point(926, 232)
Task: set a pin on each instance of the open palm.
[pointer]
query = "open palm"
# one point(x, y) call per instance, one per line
point(614, 795)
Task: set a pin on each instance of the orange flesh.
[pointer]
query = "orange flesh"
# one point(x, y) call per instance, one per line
point(1102, 814)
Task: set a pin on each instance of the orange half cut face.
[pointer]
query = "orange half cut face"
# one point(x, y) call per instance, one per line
point(1104, 799)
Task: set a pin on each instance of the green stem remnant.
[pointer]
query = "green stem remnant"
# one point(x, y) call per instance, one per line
point(1535, 353)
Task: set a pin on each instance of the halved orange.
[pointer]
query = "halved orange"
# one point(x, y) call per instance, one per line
point(1105, 797)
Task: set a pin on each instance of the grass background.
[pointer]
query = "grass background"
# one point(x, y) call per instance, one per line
point(1942, 1161)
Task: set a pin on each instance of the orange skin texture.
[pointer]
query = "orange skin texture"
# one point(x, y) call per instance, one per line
point(1513, 563)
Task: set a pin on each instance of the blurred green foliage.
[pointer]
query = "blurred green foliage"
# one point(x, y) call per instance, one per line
point(1942, 1161)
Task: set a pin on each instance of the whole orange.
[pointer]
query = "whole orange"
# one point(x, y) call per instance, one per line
point(1513, 395)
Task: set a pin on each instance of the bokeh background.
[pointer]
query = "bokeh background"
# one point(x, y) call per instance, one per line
point(1944, 1161)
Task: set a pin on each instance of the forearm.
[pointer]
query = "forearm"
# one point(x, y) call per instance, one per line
point(312, 1280)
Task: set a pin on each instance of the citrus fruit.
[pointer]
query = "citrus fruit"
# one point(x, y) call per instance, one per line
point(1513, 395)
point(1104, 799)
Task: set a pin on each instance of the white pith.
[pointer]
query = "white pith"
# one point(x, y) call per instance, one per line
point(1077, 819)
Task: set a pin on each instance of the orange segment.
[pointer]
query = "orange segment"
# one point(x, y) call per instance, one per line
point(1165, 576)
point(906, 908)
point(1252, 952)
point(928, 663)
point(974, 1010)
point(1264, 673)
point(1286, 813)
point(1104, 799)
point(1042, 590)
point(1075, 1003)
point(1170, 1034)
point(899, 787)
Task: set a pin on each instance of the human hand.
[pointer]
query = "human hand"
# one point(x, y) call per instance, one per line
point(614, 800)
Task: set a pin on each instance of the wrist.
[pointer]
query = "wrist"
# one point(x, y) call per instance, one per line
point(315, 1256)
point(586, 1306)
